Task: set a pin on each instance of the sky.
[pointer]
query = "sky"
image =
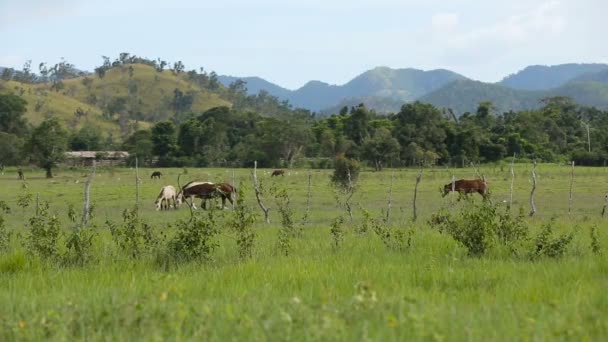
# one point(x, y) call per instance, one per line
point(292, 42)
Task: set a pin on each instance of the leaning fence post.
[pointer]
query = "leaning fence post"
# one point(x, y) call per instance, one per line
point(605, 205)
point(532, 206)
point(308, 194)
point(87, 187)
point(390, 197)
point(256, 188)
point(570, 195)
point(512, 180)
point(418, 177)
point(136, 185)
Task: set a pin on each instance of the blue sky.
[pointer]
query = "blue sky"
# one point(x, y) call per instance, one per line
point(292, 42)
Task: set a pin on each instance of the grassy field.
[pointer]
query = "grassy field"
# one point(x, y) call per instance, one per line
point(431, 290)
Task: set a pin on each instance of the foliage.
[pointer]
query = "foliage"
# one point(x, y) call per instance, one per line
point(133, 237)
point(194, 238)
point(12, 110)
point(289, 229)
point(44, 234)
point(4, 234)
point(547, 246)
point(481, 227)
point(337, 232)
point(346, 172)
point(395, 238)
point(47, 145)
point(241, 223)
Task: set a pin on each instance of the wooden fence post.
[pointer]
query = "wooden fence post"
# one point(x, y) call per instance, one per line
point(87, 187)
point(418, 177)
point(256, 188)
point(532, 205)
point(512, 181)
point(390, 198)
point(570, 195)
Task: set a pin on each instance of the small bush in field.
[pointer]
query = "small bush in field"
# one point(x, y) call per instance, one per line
point(346, 172)
point(337, 231)
point(394, 238)
point(134, 237)
point(79, 246)
point(596, 248)
point(479, 227)
point(194, 239)
point(44, 234)
point(4, 234)
point(548, 246)
point(242, 224)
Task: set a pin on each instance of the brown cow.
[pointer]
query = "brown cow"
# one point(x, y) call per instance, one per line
point(205, 191)
point(465, 186)
point(277, 173)
point(156, 174)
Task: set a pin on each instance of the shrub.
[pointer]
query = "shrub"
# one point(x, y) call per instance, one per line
point(134, 237)
point(337, 231)
point(44, 234)
point(242, 224)
point(546, 245)
point(394, 238)
point(346, 172)
point(194, 238)
point(4, 234)
point(480, 226)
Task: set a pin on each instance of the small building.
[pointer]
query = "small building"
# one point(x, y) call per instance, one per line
point(102, 158)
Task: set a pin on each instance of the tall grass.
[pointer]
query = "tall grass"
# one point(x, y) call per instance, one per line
point(432, 290)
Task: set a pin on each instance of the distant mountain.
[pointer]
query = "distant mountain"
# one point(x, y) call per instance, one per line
point(402, 85)
point(377, 103)
point(466, 95)
point(256, 84)
point(541, 77)
point(601, 76)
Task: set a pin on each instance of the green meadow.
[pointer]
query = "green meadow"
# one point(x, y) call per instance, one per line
point(423, 287)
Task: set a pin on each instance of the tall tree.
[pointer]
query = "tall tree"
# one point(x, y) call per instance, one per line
point(47, 145)
point(164, 138)
point(12, 109)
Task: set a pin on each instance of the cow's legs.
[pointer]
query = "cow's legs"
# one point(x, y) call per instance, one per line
point(192, 201)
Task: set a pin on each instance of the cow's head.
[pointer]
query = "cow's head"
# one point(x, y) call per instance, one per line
point(179, 199)
point(446, 189)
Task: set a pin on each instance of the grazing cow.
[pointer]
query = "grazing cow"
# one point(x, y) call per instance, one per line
point(205, 191)
point(166, 195)
point(20, 173)
point(466, 187)
point(277, 173)
point(156, 174)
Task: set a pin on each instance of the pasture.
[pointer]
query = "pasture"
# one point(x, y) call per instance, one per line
point(357, 289)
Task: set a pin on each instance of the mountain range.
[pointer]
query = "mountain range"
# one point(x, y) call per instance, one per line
point(386, 90)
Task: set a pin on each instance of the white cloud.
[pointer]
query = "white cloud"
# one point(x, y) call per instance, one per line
point(444, 22)
point(547, 20)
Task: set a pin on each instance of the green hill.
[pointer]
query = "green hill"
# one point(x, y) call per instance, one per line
point(542, 77)
point(126, 93)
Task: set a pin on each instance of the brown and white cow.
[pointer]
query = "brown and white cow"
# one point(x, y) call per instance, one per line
point(205, 191)
point(466, 186)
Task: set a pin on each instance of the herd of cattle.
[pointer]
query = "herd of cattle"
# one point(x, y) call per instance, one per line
point(169, 197)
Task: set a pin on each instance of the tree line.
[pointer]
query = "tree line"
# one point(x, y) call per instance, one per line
point(418, 134)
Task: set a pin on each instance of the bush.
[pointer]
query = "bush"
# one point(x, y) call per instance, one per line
point(479, 227)
point(194, 238)
point(4, 234)
point(44, 234)
point(134, 237)
point(346, 172)
point(242, 224)
point(548, 246)
point(337, 231)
